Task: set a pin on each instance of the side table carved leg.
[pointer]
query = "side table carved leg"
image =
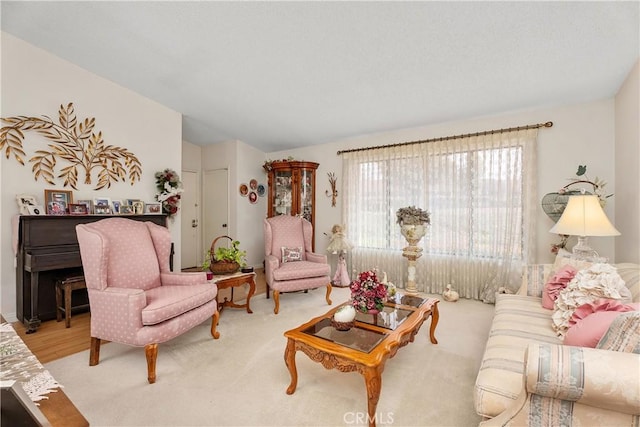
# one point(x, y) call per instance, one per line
point(435, 315)
point(373, 381)
point(252, 290)
point(290, 361)
point(215, 319)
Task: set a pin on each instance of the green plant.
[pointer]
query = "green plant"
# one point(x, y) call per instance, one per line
point(231, 254)
point(206, 263)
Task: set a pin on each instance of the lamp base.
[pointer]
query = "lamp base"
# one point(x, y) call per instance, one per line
point(582, 248)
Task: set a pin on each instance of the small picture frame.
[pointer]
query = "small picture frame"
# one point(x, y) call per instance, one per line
point(24, 201)
point(138, 207)
point(56, 208)
point(36, 210)
point(126, 210)
point(88, 204)
point(153, 208)
point(115, 206)
point(102, 209)
point(105, 201)
point(78, 209)
point(59, 198)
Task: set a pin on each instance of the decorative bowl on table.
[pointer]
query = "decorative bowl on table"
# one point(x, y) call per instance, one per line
point(344, 318)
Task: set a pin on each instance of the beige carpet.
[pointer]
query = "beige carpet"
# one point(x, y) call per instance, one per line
point(240, 379)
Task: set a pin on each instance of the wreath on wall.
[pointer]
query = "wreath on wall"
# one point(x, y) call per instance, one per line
point(169, 188)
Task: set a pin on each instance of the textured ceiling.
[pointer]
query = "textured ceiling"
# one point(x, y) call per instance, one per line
point(281, 75)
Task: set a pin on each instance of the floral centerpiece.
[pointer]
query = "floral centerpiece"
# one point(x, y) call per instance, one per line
point(169, 186)
point(368, 293)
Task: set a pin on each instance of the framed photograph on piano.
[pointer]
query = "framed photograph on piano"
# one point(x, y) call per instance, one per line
point(57, 201)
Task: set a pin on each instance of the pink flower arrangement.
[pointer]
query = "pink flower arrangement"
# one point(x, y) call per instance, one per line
point(367, 292)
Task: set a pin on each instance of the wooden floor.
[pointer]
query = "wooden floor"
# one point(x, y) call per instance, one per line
point(53, 341)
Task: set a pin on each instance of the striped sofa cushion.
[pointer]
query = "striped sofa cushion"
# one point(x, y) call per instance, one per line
point(518, 321)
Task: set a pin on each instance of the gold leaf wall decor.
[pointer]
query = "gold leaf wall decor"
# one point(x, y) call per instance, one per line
point(73, 142)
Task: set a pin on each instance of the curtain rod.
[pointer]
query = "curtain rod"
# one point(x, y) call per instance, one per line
point(447, 138)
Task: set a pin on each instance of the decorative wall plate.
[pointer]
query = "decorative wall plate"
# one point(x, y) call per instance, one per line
point(253, 184)
point(244, 190)
point(261, 190)
point(253, 197)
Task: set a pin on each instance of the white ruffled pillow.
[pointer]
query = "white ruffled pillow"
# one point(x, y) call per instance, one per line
point(597, 281)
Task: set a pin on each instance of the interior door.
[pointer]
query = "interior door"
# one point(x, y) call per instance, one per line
point(216, 206)
point(191, 245)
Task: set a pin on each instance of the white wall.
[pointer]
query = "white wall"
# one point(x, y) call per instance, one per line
point(581, 135)
point(627, 217)
point(35, 83)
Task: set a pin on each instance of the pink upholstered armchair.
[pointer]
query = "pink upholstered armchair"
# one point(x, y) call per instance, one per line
point(134, 297)
point(290, 265)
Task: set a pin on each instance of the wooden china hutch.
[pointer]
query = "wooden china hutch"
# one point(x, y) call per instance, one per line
point(292, 188)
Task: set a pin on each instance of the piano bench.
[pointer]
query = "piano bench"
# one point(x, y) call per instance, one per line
point(63, 291)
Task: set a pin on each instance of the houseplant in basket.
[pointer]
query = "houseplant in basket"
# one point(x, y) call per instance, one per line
point(226, 260)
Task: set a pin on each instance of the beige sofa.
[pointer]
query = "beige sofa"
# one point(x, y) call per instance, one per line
point(528, 377)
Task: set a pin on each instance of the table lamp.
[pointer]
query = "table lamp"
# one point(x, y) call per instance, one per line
point(584, 217)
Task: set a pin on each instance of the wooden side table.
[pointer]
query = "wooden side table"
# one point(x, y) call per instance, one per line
point(232, 281)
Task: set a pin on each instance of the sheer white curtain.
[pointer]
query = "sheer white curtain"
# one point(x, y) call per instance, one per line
point(481, 194)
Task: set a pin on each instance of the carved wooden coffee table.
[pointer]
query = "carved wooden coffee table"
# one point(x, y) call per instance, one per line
point(364, 348)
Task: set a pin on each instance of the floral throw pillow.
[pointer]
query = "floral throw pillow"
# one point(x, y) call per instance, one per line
point(588, 285)
point(291, 254)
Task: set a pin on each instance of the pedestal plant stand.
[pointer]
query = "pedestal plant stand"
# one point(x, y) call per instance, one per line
point(413, 226)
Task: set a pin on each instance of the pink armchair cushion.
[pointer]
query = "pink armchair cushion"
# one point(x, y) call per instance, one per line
point(166, 302)
point(301, 270)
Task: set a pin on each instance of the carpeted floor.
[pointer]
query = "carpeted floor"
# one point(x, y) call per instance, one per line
point(240, 379)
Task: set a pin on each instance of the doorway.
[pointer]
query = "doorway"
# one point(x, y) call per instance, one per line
point(191, 244)
point(215, 206)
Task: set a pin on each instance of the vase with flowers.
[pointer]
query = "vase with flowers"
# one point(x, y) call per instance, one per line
point(368, 292)
point(169, 188)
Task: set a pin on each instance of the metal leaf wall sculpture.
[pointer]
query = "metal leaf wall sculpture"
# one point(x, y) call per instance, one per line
point(74, 142)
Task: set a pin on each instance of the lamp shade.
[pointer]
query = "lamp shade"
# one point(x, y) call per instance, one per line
point(584, 216)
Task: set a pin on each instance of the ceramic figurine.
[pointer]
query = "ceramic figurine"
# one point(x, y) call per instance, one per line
point(449, 295)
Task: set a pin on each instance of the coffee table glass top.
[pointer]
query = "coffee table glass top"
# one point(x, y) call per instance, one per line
point(355, 338)
point(362, 339)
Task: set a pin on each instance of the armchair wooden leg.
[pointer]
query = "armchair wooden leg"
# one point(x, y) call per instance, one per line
point(214, 322)
point(276, 300)
point(94, 352)
point(329, 288)
point(151, 351)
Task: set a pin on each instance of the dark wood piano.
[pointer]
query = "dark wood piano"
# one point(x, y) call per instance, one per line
point(48, 251)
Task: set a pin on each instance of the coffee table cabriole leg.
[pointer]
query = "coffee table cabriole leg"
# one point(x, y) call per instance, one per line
point(290, 361)
point(373, 381)
point(435, 316)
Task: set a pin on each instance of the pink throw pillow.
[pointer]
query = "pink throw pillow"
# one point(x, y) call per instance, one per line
point(592, 320)
point(555, 284)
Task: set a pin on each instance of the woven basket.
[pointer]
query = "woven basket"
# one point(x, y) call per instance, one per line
point(222, 267)
point(342, 326)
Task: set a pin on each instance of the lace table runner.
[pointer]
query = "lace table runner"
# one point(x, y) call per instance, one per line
point(17, 363)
